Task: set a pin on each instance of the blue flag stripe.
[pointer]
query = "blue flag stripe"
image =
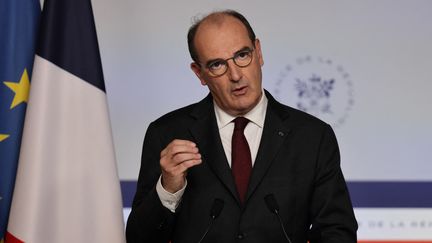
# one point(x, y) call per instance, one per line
point(81, 57)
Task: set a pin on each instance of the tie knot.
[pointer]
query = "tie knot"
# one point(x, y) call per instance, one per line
point(240, 123)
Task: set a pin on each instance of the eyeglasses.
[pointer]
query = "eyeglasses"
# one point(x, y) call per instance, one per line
point(219, 67)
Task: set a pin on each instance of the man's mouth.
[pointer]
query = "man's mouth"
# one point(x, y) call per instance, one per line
point(240, 91)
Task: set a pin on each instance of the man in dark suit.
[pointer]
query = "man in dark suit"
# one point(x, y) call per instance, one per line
point(272, 175)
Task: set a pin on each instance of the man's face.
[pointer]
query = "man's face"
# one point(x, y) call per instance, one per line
point(239, 89)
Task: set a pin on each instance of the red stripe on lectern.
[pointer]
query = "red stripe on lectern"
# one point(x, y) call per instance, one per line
point(392, 241)
point(12, 239)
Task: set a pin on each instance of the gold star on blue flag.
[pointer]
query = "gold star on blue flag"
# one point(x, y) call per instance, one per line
point(18, 30)
point(21, 89)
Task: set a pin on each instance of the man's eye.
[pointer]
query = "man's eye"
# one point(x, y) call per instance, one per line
point(216, 65)
point(242, 55)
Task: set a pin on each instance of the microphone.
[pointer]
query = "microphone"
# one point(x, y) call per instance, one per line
point(274, 208)
point(314, 233)
point(215, 211)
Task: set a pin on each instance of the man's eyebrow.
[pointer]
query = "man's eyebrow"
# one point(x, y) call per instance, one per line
point(212, 61)
point(245, 48)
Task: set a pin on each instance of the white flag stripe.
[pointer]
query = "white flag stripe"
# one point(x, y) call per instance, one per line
point(67, 187)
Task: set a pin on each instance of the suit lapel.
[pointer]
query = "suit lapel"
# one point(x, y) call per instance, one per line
point(274, 134)
point(206, 135)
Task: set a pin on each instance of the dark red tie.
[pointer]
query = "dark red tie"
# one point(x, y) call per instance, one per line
point(241, 157)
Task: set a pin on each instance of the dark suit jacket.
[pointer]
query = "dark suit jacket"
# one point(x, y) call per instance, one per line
point(298, 162)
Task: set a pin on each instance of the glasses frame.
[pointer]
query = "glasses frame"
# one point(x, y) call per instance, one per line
point(225, 61)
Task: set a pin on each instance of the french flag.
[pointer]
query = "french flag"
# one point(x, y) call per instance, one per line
point(67, 188)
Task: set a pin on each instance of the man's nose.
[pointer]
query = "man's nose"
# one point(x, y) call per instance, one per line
point(234, 71)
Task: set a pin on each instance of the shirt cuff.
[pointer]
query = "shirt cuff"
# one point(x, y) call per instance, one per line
point(169, 200)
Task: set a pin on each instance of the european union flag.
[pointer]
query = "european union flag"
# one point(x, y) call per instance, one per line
point(18, 29)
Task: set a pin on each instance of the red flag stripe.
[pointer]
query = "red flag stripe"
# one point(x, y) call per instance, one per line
point(12, 239)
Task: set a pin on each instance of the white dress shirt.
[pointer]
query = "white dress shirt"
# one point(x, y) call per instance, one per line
point(253, 133)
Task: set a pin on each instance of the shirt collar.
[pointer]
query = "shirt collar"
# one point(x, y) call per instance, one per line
point(256, 115)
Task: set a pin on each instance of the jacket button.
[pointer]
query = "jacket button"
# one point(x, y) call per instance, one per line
point(240, 236)
point(161, 225)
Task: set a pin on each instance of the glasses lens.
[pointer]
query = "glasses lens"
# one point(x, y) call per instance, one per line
point(218, 67)
point(244, 58)
point(241, 59)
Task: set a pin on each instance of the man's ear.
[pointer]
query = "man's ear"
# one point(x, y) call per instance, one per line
point(258, 51)
point(197, 70)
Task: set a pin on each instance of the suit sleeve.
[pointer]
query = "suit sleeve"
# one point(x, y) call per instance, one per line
point(332, 214)
point(149, 220)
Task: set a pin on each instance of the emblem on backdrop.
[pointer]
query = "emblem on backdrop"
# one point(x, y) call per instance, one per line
point(317, 86)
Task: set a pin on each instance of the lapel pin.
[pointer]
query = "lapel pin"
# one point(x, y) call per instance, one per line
point(281, 133)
